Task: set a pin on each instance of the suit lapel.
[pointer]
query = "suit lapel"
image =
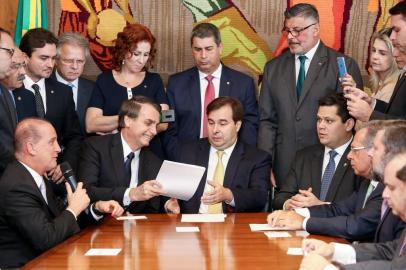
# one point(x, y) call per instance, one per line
point(117, 156)
point(316, 171)
point(195, 98)
point(50, 93)
point(52, 204)
point(233, 163)
point(398, 85)
point(225, 83)
point(289, 77)
point(8, 107)
point(202, 159)
point(319, 59)
point(342, 167)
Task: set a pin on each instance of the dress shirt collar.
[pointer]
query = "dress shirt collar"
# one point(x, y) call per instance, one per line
point(37, 178)
point(62, 80)
point(127, 149)
point(374, 183)
point(216, 74)
point(340, 150)
point(227, 151)
point(28, 82)
point(309, 55)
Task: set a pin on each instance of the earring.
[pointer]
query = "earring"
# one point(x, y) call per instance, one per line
point(123, 62)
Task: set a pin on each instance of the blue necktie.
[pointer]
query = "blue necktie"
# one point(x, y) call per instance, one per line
point(301, 77)
point(127, 167)
point(328, 175)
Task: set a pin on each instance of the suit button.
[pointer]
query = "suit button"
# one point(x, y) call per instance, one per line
point(298, 118)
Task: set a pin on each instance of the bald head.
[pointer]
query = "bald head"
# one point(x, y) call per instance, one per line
point(36, 144)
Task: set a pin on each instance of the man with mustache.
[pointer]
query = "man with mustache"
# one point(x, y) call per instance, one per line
point(292, 85)
point(53, 100)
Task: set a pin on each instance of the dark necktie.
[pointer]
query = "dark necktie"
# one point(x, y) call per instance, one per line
point(301, 77)
point(208, 97)
point(39, 104)
point(328, 175)
point(127, 167)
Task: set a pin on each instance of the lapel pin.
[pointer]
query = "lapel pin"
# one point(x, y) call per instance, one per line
point(19, 98)
point(345, 164)
point(52, 91)
point(228, 82)
point(145, 86)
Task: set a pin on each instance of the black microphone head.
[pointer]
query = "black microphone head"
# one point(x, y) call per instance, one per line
point(66, 169)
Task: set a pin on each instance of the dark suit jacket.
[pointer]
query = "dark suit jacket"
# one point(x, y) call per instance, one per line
point(246, 175)
point(379, 256)
point(306, 171)
point(101, 168)
point(286, 123)
point(184, 97)
point(389, 228)
point(28, 225)
point(8, 123)
point(396, 108)
point(85, 89)
point(62, 115)
point(347, 218)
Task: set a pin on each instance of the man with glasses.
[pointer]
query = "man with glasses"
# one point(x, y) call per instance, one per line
point(292, 85)
point(8, 113)
point(321, 173)
point(72, 51)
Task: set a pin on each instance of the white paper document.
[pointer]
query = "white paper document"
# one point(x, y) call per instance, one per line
point(179, 180)
point(203, 217)
point(103, 252)
point(302, 233)
point(266, 227)
point(131, 217)
point(187, 229)
point(277, 234)
point(295, 251)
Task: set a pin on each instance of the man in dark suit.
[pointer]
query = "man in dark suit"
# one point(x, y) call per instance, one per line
point(120, 166)
point(190, 91)
point(72, 52)
point(388, 255)
point(8, 113)
point(364, 107)
point(308, 182)
point(53, 100)
point(292, 85)
point(32, 219)
point(237, 175)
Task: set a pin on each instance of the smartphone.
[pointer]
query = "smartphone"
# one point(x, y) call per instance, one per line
point(342, 69)
point(167, 116)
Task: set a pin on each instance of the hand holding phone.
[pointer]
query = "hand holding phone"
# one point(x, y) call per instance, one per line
point(342, 69)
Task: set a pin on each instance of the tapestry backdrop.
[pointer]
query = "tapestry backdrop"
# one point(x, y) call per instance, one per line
point(250, 29)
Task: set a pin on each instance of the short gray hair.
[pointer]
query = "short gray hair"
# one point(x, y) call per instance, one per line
point(302, 10)
point(72, 38)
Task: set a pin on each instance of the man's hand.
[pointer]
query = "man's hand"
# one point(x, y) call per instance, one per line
point(305, 198)
point(314, 261)
point(109, 207)
point(348, 81)
point(319, 247)
point(358, 107)
point(289, 220)
point(78, 200)
point(218, 194)
point(172, 206)
point(146, 191)
point(350, 92)
point(55, 175)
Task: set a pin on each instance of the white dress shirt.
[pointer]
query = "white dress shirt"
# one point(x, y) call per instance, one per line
point(213, 159)
point(309, 56)
point(135, 163)
point(75, 87)
point(28, 82)
point(203, 85)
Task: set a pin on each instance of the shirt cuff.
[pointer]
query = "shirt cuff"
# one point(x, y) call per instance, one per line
point(73, 213)
point(344, 254)
point(304, 223)
point(126, 197)
point(94, 215)
point(304, 212)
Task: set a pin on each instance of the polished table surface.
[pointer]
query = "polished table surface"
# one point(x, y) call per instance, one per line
point(154, 244)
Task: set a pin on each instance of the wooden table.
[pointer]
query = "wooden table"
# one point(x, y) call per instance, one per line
point(154, 244)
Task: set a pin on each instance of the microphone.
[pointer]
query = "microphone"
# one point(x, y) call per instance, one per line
point(69, 175)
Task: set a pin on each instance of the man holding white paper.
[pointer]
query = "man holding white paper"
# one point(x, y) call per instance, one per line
point(120, 166)
point(237, 175)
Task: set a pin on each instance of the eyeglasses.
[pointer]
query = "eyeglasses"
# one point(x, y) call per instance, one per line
point(79, 62)
point(356, 149)
point(10, 51)
point(16, 66)
point(295, 31)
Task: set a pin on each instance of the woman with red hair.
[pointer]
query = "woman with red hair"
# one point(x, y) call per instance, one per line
point(132, 56)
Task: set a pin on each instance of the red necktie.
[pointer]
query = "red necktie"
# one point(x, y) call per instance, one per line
point(208, 97)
